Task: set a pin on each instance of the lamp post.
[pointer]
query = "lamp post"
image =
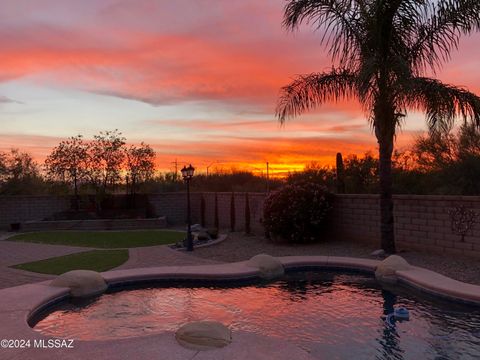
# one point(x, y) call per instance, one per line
point(187, 174)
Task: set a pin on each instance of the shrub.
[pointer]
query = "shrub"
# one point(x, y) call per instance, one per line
point(213, 232)
point(297, 212)
point(215, 212)
point(232, 212)
point(248, 229)
point(202, 211)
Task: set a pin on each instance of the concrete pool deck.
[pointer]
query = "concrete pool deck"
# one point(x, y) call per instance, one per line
point(19, 304)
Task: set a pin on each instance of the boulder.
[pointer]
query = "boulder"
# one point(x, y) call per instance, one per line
point(82, 283)
point(378, 253)
point(268, 266)
point(203, 335)
point(196, 228)
point(386, 270)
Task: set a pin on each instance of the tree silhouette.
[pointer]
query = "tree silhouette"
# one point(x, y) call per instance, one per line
point(216, 223)
point(139, 165)
point(202, 210)
point(106, 158)
point(248, 229)
point(382, 52)
point(232, 212)
point(68, 162)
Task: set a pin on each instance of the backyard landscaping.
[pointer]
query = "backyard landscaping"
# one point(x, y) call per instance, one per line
point(96, 260)
point(102, 239)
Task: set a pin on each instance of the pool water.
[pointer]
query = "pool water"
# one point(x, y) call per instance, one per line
point(331, 315)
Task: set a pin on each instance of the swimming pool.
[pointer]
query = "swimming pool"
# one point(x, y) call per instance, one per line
point(331, 315)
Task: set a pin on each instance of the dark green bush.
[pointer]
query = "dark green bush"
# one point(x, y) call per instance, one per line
point(248, 229)
point(202, 211)
point(297, 212)
point(232, 212)
point(213, 232)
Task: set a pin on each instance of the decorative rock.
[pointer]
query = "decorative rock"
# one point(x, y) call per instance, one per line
point(269, 266)
point(196, 228)
point(386, 270)
point(82, 283)
point(203, 335)
point(378, 253)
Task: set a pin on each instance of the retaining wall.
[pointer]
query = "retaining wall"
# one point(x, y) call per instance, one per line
point(100, 224)
point(19, 209)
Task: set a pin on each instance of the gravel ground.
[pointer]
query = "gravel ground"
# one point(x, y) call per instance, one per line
point(239, 247)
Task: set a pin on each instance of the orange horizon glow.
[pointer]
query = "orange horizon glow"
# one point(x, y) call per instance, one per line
point(285, 156)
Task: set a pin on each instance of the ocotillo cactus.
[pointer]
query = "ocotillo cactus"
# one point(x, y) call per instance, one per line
point(202, 211)
point(215, 220)
point(247, 215)
point(232, 212)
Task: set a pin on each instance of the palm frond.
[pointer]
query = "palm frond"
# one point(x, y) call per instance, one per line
point(337, 18)
point(309, 91)
point(439, 28)
point(443, 103)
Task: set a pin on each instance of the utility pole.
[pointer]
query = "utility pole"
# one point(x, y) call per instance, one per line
point(176, 170)
point(208, 167)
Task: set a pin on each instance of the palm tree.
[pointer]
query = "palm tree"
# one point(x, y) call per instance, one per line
point(382, 52)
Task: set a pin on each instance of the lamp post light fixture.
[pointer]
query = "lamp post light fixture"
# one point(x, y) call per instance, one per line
point(187, 174)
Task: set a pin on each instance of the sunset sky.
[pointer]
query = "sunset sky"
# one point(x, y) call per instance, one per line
point(196, 79)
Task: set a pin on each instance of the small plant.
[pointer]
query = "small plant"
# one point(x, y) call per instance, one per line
point(202, 211)
point(213, 232)
point(215, 219)
point(297, 212)
point(232, 212)
point(247, 215)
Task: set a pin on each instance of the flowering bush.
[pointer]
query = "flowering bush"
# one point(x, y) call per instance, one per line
point(297, 212)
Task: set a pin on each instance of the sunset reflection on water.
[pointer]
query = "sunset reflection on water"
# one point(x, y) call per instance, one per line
point(325, 313)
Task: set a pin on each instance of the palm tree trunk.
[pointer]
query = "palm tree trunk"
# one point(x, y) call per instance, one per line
point(386, 201)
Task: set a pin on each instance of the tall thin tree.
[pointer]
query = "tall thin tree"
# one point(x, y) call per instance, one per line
point(202, 210)
point(68, 162)
point(248, 229)
point(382, 53)
point(216, 222)
point(232, 212)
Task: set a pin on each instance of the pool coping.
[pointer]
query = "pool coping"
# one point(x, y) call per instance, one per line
point(21, 303)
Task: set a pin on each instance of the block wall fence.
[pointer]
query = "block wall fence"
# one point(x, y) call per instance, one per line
point(421, 222)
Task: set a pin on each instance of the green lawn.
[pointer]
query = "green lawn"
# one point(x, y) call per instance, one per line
point(97, 260)
point(102, 239)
